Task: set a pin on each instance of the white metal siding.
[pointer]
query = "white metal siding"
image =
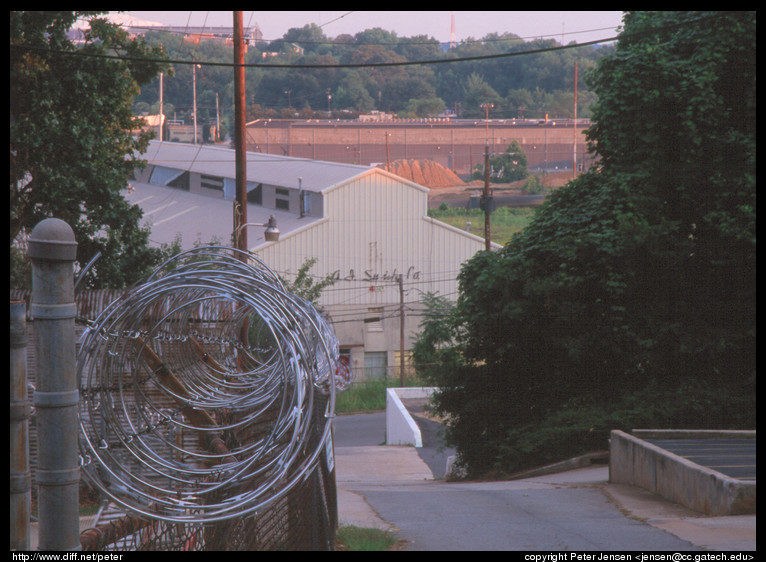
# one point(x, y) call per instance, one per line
point(375, 229)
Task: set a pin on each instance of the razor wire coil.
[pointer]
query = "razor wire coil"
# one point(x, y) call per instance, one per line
point(199, 390)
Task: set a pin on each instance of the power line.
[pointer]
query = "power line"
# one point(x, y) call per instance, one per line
point(400, 41)
point(319, 66)
point(650, 32)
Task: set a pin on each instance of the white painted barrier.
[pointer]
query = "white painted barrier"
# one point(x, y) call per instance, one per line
point(401, 429)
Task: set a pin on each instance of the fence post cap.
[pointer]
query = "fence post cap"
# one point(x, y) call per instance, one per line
point(52, 239)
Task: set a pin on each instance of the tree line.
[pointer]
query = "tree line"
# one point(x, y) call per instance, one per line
point(629, 301)
point(373, 71)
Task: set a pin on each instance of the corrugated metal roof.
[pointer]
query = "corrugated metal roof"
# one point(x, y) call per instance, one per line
point(202, 219)
point(269, 169)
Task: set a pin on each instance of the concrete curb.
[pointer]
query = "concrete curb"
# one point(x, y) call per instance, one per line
point(583, 461)
point(636, 462)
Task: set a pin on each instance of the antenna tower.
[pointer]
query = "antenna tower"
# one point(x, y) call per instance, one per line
point(452, 34)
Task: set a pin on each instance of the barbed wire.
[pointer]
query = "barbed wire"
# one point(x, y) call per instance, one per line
point(199, 386)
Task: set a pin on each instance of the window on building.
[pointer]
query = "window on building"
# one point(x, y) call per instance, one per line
point(374, 320)
point(375, 365)
point(255, 195)
point(409, 368)
point(211, 182)
point(180, 182)
point(283, 199)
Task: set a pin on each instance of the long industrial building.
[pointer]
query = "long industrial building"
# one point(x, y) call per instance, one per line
point(459, 145)
point(366, 227)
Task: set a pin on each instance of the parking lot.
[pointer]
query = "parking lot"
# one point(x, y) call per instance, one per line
point(732, 457)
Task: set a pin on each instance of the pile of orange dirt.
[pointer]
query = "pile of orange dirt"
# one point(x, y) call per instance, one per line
point(425, 172)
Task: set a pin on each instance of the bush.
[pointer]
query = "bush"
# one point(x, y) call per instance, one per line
point(581, 428)
point(630, 298)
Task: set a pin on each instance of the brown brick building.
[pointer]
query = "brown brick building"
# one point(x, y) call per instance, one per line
point(455, 144)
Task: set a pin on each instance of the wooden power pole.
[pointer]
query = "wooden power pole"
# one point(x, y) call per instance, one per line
point(487, 203)
point(240, 210)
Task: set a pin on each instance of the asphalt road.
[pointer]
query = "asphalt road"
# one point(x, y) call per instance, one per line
point(513, 516)
point(568, 511)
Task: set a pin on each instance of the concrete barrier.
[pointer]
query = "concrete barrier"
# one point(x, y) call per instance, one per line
point(401, 429)
point(635, 462)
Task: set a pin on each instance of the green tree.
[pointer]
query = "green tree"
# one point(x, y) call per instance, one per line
point(478, 92)
point(306, 285)
point(507, 167)
point(424, 107)
point(436, 350)
point(74, 140)
point(630, 298)
point(310, 37)
point(351, 92)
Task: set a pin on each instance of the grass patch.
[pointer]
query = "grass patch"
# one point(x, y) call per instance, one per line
point(364, 539)
point(505, 222)
point(368, 395)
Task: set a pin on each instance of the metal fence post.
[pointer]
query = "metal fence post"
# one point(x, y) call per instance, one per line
point(53, 249)
point(21, 483)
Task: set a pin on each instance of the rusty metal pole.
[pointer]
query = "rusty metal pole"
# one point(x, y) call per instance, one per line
point(52, 250)
point(487, 212)
point(240, 116)
point(21, 481)
point(401, 330)
point(574, 140)
point(487, 198)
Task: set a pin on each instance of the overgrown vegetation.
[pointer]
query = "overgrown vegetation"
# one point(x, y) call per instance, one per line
point(505, 222)
point(629, 300)
point(507, 167)
point(368, 395)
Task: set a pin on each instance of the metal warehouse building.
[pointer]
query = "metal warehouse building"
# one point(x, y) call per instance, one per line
point(366, 227)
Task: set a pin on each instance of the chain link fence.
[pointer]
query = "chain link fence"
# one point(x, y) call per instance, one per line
point(206, 400)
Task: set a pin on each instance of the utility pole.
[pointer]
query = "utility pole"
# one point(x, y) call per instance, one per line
point(162, 110)
point(240, 212)
point(401, 331)
point(194, 88)
point(486, 199)
point(574, 141)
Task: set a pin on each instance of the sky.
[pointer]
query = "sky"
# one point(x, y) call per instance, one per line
point(569, 26)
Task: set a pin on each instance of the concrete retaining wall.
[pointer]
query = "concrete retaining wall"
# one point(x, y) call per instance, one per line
point(401, 429)
point(636, 462)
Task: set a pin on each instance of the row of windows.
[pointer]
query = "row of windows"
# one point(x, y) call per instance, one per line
point(255, 195)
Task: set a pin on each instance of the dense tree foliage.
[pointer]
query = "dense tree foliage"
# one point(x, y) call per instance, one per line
point(283, 81)
point(630, 299)
point(506, 167)
point(73, 137)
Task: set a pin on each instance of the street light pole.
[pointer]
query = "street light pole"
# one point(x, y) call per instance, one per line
point(271, 234)
point(194, 88)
